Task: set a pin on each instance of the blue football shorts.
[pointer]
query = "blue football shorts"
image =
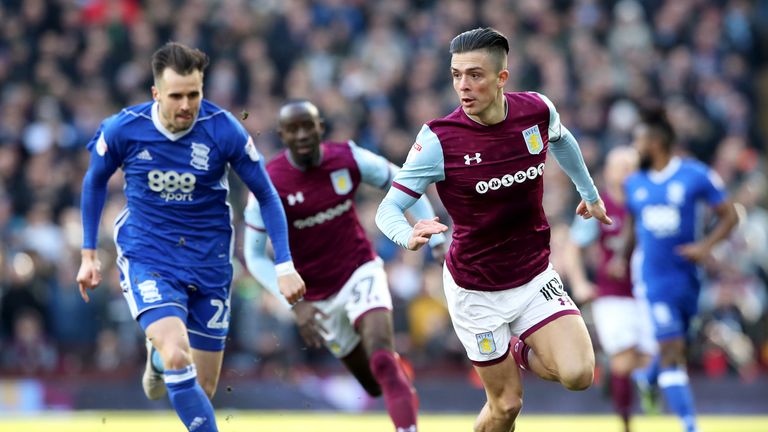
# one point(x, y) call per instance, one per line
point(199, 296)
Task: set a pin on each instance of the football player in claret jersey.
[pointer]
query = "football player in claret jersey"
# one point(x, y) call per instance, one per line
point(665, 200)
point(621, 320)
point(347, 306)
point(487, 160)
point(174, 238)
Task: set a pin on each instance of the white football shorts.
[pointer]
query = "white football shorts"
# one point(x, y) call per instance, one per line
point(365, 291)
point(485, 321)
point(623, 323)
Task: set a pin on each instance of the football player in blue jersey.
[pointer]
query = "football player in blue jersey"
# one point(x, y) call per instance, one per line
point(664, 201)
point(174, 238)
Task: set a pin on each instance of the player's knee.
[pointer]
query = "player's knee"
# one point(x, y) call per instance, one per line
point(175, 358)
point(507, 408)
point(578, 377)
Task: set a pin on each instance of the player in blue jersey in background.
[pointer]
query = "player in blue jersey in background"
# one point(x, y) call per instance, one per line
point(174, 238)
point(665, 201)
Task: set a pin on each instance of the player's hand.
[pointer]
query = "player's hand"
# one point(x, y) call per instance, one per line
point(595, 209)
point(308, 320)
point(423, 230)
point(439, 252)
point(291, 287)
point(583, 292)
point(89, 275)
point(694, 252)
point(616, 268)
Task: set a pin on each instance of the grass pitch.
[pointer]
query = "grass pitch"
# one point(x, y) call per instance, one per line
point(254, 421)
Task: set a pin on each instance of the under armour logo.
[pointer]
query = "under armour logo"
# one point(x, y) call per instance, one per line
point(468, 160)
point(296, 198)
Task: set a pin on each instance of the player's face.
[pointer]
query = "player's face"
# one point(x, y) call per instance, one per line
point(301, 129)
point(477, 81)
point(179, 98)
point(643, 144)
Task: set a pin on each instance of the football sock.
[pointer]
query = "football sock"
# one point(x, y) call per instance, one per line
point(157, 361)
point(189, 400)
point(677, 392)
point(621, 393)
point(397, 391)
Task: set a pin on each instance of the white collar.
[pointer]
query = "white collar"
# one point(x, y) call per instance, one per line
point(668, 171)
point(159, 125)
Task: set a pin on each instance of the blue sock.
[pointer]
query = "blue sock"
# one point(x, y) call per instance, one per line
point(677, 392)
point(189, 400)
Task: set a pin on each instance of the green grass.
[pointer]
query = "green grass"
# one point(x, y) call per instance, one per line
point(253, 421)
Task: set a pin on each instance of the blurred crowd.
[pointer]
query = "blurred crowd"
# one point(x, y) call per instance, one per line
point(377, 70)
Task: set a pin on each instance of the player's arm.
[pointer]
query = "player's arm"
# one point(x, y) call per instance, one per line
point(259, 264)
point(583, 232)
point(104, 162)
point(379, 172)
point(251, 170)
point(423, 167)
point(565, 149)
point(713, 190)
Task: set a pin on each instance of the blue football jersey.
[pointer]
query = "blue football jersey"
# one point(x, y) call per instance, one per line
point(175, 183)
point(669, 208)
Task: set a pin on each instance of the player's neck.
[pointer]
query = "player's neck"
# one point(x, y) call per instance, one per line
point(495, 113)
point(661, 162)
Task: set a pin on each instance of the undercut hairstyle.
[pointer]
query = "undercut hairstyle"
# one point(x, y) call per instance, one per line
point(180, 58)
point(486, 38)
point(655, 119)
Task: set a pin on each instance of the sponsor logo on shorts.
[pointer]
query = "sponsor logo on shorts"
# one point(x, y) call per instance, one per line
point(486, 343)
point(149, 292)
point(553, 288)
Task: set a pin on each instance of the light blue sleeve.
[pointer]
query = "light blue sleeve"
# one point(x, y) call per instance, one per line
point(566, 151)
point(424, 165)
point(379, 172)
point(261, 266)
point(584, 231)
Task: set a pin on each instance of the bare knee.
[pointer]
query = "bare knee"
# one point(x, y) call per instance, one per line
point(507, 408)
point(577, 377)
point(175, 357)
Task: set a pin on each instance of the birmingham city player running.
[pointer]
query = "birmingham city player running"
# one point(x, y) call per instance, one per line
point(487, 160)
point(174, 238)
point(665, 200)
point(347, 306)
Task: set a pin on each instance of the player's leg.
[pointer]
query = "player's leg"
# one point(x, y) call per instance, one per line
point(155, 300)
point(554, 342)
point(168, 334)
point(561, 350)
point(622, 364)
point(368, 308)
point(357, 363)
point(481, 321)
point(208, 364)
point(504, 391)
point(376, 332)
point(670, 318)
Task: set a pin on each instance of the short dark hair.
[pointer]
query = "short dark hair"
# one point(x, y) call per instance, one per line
point(180, 58)
point(654, 117)
point(485, 38)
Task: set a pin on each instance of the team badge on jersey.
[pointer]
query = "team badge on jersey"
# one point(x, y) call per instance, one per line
point(200, 156)
point(533, 140)
point(342, 181)
point(101, 145)
point(676, 193)
point(486, 343)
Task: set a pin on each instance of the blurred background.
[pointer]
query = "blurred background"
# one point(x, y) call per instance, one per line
point(377, 70)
